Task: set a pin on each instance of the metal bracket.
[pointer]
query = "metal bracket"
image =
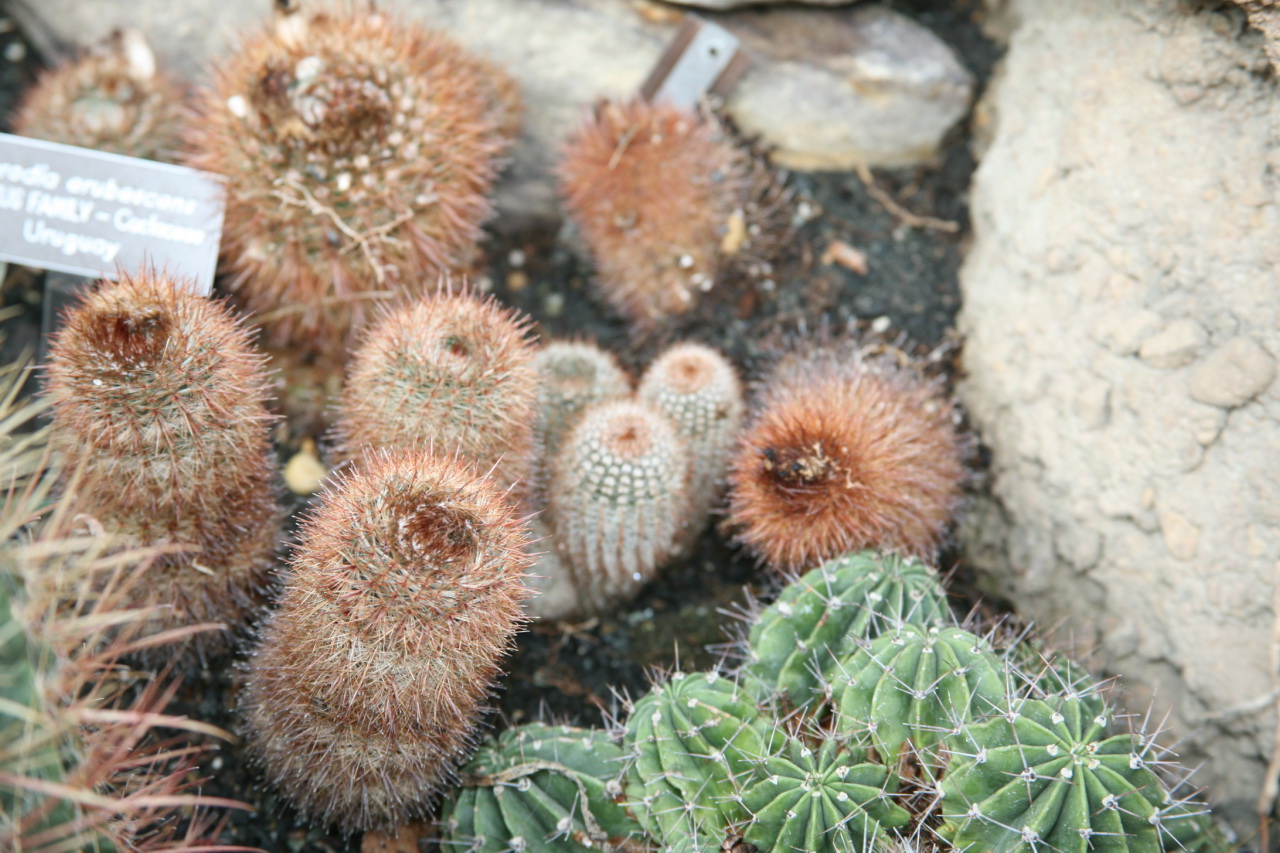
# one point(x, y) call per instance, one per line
point(703, 59)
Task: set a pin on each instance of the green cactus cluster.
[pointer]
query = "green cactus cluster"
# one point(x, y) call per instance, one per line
point(865, 718)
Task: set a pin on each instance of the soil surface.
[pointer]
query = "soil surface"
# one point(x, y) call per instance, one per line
point(576, 673)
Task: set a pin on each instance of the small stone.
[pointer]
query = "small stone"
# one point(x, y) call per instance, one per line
point(1176, 346)
point(1233, 374)
point(517, 281)
point(1181, 536)
point(304, 473)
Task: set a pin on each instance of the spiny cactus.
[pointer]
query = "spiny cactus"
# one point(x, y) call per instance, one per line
point(540, 787)
point(911, 687)
point(844, 451)
point(113, 99)
point(159, 406)
point(357, 149)
point(831, 801)
point(571, 376)
point(618, 494)
point(405, 593)
point(699, 390)
point(1045, 775)
point(796, 644)
point(665, 201)
point(693, 743)
point(451, 369)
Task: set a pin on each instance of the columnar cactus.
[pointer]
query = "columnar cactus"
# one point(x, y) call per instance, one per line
point(113, 99)
point(452, 370)
point(159, 412)
point(540, 787)
point(844, 451)
point(617, 497)
point(571, 376)
point(357, 149)
point(405, 593)
point(699, 390)
point(798, 643)
point(665, 201)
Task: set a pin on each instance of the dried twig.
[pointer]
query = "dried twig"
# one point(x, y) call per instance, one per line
point(915, 220)
point(1271, 784)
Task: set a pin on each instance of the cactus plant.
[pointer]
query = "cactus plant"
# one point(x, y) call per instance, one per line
point(159, 407)
point(112, 99)
point(571, 376)
point(540, 787)
point(845, 450)
point(451, 369)
point(405, 592)
point(797, 643)
point(1045, 774)
point(357, 149)
point(831, 801)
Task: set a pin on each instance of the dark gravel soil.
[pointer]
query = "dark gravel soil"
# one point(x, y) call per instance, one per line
point(576, 673)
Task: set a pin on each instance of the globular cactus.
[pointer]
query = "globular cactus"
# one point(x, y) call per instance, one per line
point(797, 643)
point(540, 787)
point(699, 390)
point(694, 743)
point(113, 99)
point(405, 593)
point(1045, 775)
point(617, 497)
point(159, 409)
point(911, 687)
point(571, 376)
point(449, 369)
point(358, 149)
point(831, 801)
point(666, 202)
point(844, 451)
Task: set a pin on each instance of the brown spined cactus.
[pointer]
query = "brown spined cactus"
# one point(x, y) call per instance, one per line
point(618, 495)
point(358, 149)
point(405, 592)
point(159, 409)
point(667, 202)
point(451, 369)
point(844, 451)
point(699, 390)
point(112, 99)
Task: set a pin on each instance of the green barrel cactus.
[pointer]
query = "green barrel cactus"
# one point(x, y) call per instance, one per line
point(829, 802)
point(1045, 776)
point(917, 685)
point(694, 744)
point(539, 787)
point(818, 620)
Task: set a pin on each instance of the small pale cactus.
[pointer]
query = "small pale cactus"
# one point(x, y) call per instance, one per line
point(540, 787)
point(831, 801)
point(571, 376)
point(617, 497)
point(798, 642)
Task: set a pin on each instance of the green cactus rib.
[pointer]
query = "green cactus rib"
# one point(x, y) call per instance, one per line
point(538, 787)
point(1044, 776)
point(831, 802)
point(694, 741)
point(917, 685)
point(818, 620)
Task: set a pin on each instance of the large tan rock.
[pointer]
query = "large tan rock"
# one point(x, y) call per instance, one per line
point(1122, 326)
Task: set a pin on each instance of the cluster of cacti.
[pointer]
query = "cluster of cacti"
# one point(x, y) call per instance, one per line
point(113, 99)
point(667, 202)
point(910, 732)
point(845, 450)
point(358, 149)
point(632, 477)
point(404, 593)
point(159, 415)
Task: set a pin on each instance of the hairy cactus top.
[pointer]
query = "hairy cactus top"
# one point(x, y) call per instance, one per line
point(845, 451)
point(571, 376)
point(113, 99)
point(358, 149)
point(450, 369)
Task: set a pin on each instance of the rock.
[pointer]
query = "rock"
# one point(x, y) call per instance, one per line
point(1127, 205)
point(1233, 374)
point(828, 87)
point(725, 5)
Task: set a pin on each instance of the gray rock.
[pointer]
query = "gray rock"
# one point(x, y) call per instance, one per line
point(725, 5)
point(828, 87)
point(1127, 205)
